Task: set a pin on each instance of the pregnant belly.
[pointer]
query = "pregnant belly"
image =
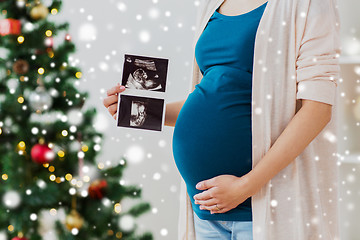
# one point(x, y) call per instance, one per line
point(212, 134)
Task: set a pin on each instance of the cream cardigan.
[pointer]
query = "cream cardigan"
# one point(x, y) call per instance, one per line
point(296, 57)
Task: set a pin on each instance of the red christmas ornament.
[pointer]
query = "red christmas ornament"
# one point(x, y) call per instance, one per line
point(97, 189)
point(10, 26)
point(41, 153)
point(67, 37)
point(19, 238)
point(49, 42)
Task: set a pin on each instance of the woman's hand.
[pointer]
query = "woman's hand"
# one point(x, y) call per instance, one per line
point(111, 101)
point(227, 191)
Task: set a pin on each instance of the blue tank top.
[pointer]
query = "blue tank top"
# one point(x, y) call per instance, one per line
point(212, 134)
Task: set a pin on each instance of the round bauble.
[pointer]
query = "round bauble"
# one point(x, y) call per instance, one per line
point(3, 235)
point(20, 67)
point(75, 117)
point(74, 220)
point(39, 12)
point(126, 222)
point(41, 153)
point(20, 3)
point(19, 238)
point(40, 99)
point(11, 199)
point(28, 27)
point(49, 42)
point(68, 37)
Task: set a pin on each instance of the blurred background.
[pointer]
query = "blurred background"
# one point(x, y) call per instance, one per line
point(103, 31)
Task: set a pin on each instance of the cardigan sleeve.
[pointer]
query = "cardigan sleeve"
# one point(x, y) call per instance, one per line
point(317, 63)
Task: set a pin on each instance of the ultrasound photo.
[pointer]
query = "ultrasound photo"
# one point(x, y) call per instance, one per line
point(144, 73)
point(140, 112)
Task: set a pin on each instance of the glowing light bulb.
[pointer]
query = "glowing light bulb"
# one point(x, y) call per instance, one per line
point(48, 33)
point(22, 145)
point(20, 99)
point(61, 153)
point(78, 75)
point(68, 177)
point(54, 11)
point(20, 39)
point(41, 71)
point(64, 133)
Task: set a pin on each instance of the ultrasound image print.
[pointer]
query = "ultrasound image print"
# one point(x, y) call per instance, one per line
point(145, 73)
point(140, 112)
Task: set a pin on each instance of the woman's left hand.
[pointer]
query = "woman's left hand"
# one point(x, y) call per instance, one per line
point(227, 191)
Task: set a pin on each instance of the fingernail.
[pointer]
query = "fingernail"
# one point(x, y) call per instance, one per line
point(198, 185)
point(122, 87)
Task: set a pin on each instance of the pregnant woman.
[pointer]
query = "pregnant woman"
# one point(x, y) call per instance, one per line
point(212, 135)
point(254, 139)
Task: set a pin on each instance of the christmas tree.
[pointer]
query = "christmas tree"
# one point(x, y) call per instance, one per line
point(51, 186)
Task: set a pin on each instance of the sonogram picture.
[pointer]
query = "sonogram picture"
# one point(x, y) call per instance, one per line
point(144, 73)
point(142, 104)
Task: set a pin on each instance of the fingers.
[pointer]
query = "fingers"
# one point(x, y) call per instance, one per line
point(110, 100)
point(214, 208)
point(112, 109)
point(210, 205)
point(209, 202)
point(211, 208)
point(114, 90)
point(205, 195)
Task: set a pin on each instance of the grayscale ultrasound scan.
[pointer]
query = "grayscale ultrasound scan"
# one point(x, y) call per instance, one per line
point(140, 112)
point(142, 103)
point(145, 73)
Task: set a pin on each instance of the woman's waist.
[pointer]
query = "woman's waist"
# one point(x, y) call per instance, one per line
point(225, 78)
point(228, 70)
point(213, 135)
point(207, 102)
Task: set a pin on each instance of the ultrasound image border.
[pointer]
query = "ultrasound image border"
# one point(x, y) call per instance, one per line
point(157, 113)
point(161, 65)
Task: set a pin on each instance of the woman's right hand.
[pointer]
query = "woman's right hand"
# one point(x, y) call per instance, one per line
point(111, 101)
